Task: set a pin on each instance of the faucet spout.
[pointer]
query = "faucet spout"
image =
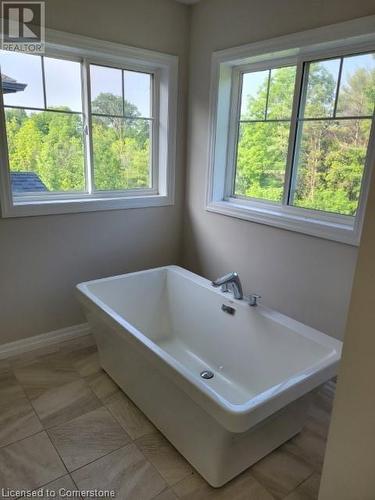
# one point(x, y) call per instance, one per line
point(230, 282)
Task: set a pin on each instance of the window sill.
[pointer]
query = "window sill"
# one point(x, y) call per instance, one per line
point(335, 228)
point(25, 208)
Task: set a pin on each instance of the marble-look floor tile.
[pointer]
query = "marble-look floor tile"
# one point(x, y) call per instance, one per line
point(59, 489)
point(323, 397)
point(17, 420)
point(58, 405)
point(129, 416)
point(86, 361)
point(318, 424)
point(243, 487)
point(171, 465)
point(17, 417)
point(125, 471)
point(281, 472)
point(87, 438)
point(34, 355)
point(10, 389)
point(5, 368)
point(40, 376)
point(320, 414)
point(308, 490)
point(30, 463)
point(103, 386)
point(166, 495)
point(308, 446)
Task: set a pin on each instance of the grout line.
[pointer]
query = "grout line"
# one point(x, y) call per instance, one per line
point(75, 484)
point(45, 431)
point(41, 423)
point(99, 458)
point(46, 484)
point(299, 484)
point(154, 467)
point(33, 411)
point(79, 377)
point(21, 439)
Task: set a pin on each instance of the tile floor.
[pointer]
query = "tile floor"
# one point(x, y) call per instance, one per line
point(65, 424)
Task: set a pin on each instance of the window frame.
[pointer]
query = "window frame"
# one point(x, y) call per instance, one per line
point(353, 37)
point(163, 68)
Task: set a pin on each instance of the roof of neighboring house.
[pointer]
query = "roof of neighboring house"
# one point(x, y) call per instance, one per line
point(10, 85)
point(26, 182)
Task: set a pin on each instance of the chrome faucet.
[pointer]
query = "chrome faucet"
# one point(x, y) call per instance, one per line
point(253, 299)
point(230, 283)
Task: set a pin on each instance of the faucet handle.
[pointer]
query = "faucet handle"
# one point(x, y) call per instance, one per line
point(225, 279)
point(253, 299)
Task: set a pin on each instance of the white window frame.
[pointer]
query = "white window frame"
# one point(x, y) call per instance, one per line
point(351, 37)
point(164, 68)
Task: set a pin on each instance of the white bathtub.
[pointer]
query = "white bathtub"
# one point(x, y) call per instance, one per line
point(157, 330)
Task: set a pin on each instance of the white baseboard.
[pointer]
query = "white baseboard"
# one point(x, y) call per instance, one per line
point(45, 339)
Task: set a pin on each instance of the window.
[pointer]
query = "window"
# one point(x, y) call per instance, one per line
point(263, 133)
point(293, 141)
point(86, 129)
point(44, 123)
point(122, 128)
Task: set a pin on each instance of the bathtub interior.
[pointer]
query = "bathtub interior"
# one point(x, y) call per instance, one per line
point(249, 353)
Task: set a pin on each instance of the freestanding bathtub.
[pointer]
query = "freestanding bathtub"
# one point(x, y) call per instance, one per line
point(157, 330)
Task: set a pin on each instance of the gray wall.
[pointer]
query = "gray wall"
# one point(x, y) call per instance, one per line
point(42, 258)
point(305, 277)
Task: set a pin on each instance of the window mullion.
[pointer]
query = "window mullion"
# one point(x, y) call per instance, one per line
point(233, 134)
point(155, 130)
point(123, 92)
point(338, 88)
point(268, 95)
point(292, 146)
point(44, 82)
point(86, 98)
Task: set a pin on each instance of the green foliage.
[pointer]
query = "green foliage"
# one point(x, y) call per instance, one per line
point(261, 160)
point(262, 146)
point(121, 154)
point(331, 153)
point(50, 144)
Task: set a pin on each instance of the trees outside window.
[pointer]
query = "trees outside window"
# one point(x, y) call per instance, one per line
point(46, 131)
point(331, 135)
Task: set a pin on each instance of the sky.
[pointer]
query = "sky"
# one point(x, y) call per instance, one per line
point(63, 82)
point(252, 82)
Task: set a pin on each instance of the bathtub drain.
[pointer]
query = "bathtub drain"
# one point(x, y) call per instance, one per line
point(207, 374)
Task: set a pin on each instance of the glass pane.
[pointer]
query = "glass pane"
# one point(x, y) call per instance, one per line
point(22, 79)
point(63, 84)
point(254, 95)
point(321, 88)
point(280, 99)
point(357, 88)
point(330, 165)
point(261, 160)
point(137, 92)
point(121, 153)
point(45, 151)
point(106, 90)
